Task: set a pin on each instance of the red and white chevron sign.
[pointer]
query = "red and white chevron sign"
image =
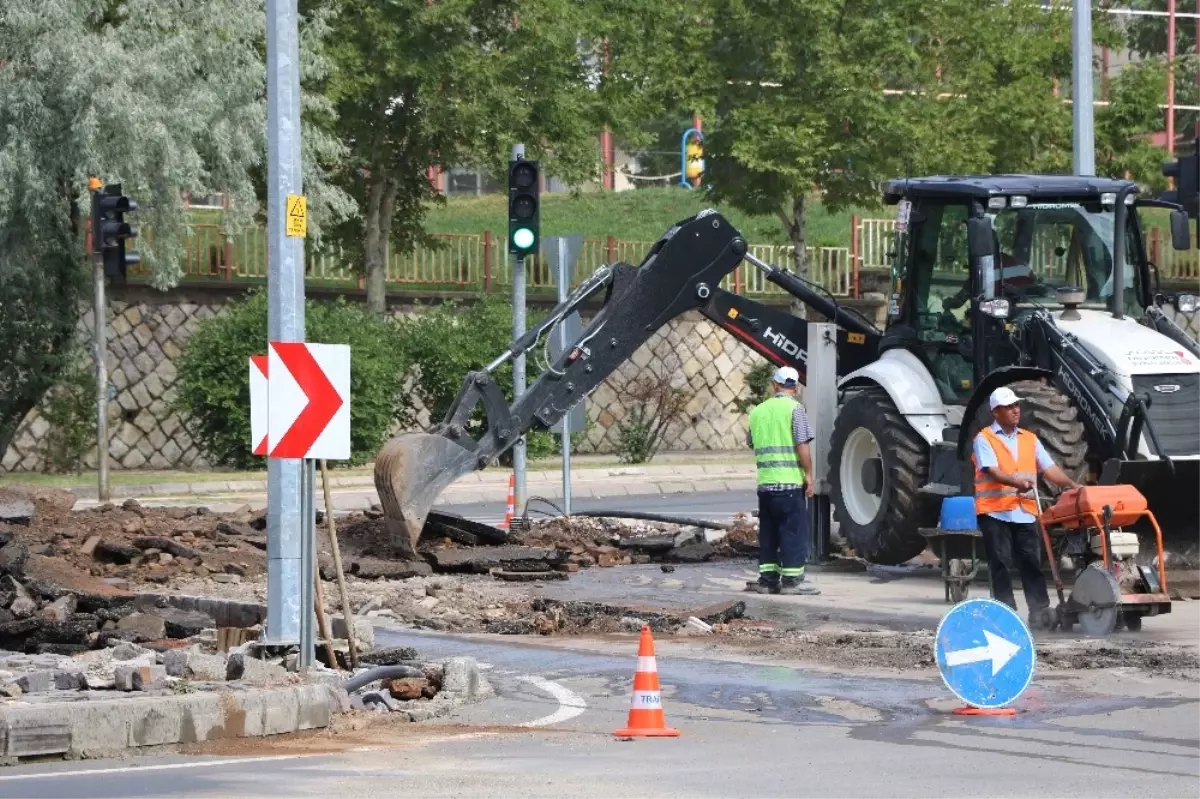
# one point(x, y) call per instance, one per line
point(300, 401)
point(258, 404)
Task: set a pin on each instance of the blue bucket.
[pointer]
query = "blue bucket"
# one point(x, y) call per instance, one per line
point(958, 513)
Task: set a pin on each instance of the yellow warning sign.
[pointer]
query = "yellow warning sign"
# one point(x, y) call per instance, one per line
point(856, 338)
point(297, 215)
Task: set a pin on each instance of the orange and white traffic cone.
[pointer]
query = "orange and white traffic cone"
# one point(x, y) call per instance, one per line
point(646, 717)
point(508, 514)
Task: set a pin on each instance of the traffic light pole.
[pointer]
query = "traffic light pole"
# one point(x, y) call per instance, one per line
point(290, 510)
point(519, 489)
point(100, 350)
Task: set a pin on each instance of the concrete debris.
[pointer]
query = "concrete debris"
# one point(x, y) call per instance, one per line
point(15, 507)
point(607, 542)
point(249, 669)
point(443, 687)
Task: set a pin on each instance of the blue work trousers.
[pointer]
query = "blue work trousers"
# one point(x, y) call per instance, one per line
point(782, 534)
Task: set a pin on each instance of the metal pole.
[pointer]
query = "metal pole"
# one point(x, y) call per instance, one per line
point(1170, 77)
point(564, 279)
point(820, 402)
point(99, 321)
point(1082, 93)
point(308, 507)
point(518, 151)
point(289, 606)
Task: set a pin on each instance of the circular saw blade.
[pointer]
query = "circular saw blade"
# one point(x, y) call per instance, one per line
point(1096, 587)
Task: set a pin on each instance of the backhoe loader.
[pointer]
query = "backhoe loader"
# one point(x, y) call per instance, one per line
point(1046, 274)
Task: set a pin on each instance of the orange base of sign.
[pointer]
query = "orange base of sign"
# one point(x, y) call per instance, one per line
point(968, 710)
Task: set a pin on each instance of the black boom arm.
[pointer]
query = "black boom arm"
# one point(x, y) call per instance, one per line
point(681, 273)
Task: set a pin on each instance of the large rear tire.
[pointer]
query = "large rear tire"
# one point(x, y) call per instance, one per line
point(1049, 414)
point(877, 465)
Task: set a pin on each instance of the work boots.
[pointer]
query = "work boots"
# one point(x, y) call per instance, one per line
point(1041, 619)
point(765, 586)
point(796, 585)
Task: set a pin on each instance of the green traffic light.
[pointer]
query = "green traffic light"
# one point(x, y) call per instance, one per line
point(523, 238)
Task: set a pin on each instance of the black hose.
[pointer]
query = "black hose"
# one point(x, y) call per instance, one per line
point(379, 673)
point(654, 517)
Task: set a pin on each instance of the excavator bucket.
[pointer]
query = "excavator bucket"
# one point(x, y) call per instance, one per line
point(411, 471)
point(1174, 500)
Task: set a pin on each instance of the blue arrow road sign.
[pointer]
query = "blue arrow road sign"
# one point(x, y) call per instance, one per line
point(985, 653)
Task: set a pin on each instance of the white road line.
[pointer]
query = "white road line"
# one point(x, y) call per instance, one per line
point(158, 767)
point(219, 761)
point(570, 704)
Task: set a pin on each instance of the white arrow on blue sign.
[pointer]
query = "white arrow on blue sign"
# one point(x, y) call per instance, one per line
point(985, 653)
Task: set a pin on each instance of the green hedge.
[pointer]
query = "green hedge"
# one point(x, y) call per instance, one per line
point(214, 389)
point(437, 347)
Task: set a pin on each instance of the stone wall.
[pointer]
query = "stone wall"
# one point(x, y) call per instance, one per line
point(148, 330)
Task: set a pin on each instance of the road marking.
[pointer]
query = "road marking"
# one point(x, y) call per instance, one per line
point(233, 761)
point(570, 704)
point(158, 767)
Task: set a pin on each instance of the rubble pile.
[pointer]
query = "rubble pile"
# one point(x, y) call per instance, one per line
point(604, 541)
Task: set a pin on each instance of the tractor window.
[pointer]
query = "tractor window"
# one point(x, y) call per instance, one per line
point(941, 301)
point(1048, 245)
point(942, 279)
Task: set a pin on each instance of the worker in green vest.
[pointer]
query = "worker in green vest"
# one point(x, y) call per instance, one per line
point(779, 434)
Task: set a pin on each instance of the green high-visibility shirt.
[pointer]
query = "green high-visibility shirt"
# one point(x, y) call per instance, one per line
point(774, 436)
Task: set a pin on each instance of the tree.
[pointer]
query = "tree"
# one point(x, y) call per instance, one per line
point(1147, 38)
point(163, 96)
point(828, 98)
point(422, 84)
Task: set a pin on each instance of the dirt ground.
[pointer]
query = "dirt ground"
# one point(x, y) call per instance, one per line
point(195, 551)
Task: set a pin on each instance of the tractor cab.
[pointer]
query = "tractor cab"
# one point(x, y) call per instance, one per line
point(975, 254)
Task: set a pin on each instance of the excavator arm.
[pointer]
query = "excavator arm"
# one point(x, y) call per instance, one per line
point(681, 273)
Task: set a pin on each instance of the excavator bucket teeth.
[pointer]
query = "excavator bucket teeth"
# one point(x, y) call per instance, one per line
point(410, 472)
point(1173, 500)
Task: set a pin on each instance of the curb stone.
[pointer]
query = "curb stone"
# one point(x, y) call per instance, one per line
point(104, 727)
point(107, 727)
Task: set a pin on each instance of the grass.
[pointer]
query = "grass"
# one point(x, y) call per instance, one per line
point(638, 215)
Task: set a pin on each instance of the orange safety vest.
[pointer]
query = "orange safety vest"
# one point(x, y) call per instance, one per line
point(992, 496)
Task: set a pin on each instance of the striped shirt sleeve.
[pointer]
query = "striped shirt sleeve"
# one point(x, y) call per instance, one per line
point(801, 432)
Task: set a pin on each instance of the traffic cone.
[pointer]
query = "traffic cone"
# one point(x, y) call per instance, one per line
point(646, 718)
point(508, 514)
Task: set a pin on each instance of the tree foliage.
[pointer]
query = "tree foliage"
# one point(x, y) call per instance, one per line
point(163, 96)
point(826, 99)
point(421, 85)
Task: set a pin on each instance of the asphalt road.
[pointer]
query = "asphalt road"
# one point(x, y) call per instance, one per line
point(711, 506)
point(747, 729)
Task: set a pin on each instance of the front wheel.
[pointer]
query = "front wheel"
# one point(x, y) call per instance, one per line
point(877, 465)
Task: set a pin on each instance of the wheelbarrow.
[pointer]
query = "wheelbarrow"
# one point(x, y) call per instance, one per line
point(958, 544)
point(959, 551)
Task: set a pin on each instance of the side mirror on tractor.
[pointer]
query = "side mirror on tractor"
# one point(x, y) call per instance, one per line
point(1181, 237)
point(981, 251)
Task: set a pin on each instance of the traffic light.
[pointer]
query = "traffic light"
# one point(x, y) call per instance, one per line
point(110, 230)
point(1186, 172)
point(524, 186)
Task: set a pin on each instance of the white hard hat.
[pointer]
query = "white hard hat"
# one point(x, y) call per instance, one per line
point(1003, 396)
point(786, 376)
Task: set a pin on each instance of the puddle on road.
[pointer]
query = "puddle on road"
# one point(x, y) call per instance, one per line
point(894, 707)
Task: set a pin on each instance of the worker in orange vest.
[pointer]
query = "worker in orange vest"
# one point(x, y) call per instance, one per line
point(1007, 462)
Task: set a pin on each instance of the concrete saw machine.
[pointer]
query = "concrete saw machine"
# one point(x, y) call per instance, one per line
point(1116, 585)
